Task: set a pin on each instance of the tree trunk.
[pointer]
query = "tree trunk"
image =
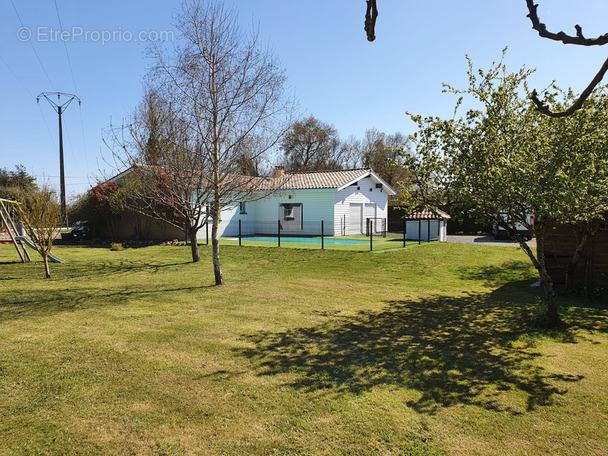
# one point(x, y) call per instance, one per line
point(196, 257)
point(546, 283)
point(215, 243)
point(47, 271)
point(547, 287)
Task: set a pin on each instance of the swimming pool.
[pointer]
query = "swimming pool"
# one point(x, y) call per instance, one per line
point(301, 240)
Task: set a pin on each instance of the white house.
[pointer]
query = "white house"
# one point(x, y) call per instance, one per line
point(347, 201)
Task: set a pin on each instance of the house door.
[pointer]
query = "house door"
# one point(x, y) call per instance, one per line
point(369, 212)
point(434, 230)
point(355, 219)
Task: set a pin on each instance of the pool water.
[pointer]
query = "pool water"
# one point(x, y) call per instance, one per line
point(303, 240)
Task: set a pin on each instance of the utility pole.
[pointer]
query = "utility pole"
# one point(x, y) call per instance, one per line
point(60, 108)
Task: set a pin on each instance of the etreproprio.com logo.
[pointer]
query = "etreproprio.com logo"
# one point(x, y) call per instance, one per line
point(51, 35)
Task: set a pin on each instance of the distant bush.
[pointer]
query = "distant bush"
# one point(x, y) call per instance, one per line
point(116, 246)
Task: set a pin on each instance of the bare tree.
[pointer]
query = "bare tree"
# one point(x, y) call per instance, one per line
point(40, 213)
point(350, 152)
point(386, 154)
point(221, 93)
point(164, 168)
point(311, 145)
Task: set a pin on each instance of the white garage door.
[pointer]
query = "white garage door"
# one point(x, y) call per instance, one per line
point(355, 219)
point(369, 212)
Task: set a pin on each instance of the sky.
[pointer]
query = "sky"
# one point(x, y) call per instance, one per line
point(97, 51)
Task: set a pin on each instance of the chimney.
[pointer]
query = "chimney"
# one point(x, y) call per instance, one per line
point(279, 171)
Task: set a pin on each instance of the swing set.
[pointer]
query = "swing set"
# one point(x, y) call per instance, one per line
point(8, 210)
point(7, 216)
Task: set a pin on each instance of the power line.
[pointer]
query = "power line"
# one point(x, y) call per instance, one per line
point(30, 94)
point(16, 77)
point(67, 54)
point(46, 123)
point(65, 46)
point(32, 46)
point(84, 141)
point(67, 177)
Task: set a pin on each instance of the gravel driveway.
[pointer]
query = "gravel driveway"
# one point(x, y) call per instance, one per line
point(484, 240)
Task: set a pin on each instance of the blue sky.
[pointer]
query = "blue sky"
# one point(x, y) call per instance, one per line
point(336, 74)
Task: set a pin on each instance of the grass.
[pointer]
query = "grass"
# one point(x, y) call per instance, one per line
point(418, 351)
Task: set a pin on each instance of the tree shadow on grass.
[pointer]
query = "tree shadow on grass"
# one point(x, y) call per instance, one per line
point(450, 350)
point(496, 275)
point(50, 302)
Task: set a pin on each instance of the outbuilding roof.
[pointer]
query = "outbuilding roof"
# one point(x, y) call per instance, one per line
point(426, 213)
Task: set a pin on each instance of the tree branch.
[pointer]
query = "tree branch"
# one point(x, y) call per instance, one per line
point(579, 39)
point(542, 106)
point(370, 20)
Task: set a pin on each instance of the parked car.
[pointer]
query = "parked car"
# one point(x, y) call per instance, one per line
point(80, 230)
point(500, 233)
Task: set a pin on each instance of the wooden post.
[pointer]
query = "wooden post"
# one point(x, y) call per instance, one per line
point(10, 231)
point(322, 236)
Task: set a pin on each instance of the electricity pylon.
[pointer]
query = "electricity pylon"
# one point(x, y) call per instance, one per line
point(60, 108)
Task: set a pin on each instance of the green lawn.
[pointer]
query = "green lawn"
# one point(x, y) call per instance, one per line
point(424, 350)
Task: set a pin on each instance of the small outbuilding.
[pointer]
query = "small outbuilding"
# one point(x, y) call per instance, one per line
point(591, 272)
point(426, 224)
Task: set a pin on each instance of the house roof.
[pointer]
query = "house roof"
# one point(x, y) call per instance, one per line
point(308, 180)
point(339, 179)
point(426, 213)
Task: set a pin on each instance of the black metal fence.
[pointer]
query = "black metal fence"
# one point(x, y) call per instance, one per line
point(322, 233)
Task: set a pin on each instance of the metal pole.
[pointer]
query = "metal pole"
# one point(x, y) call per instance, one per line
point(61, 167)
point(404, 231)
point(239, 232)
point(279, 232)
point(207, 231)
point(419, 231)
point(322, 236)
point(371, 235)
point(428, 230)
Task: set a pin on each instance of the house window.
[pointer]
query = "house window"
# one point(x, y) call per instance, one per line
point(288, 211)
point(242, 208)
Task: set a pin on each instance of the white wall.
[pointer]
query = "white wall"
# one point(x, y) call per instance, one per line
point(317, 205)
point(328, 205)
point(438, 230)
point(262, 215)
point(364, 192)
